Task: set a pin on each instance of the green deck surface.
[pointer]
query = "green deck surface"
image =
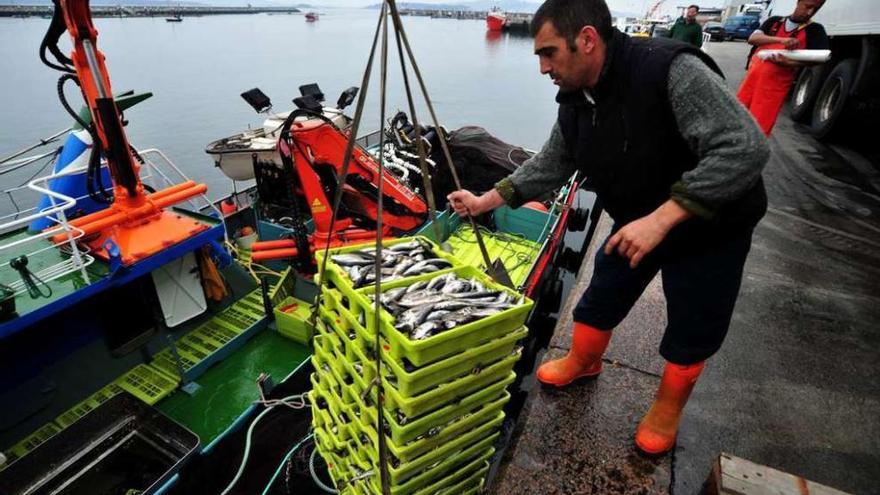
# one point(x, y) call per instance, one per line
point(229, 387)
point(60, 287)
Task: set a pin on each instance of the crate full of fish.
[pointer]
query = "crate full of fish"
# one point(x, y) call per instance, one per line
point(405, 377)
point(438, 315)
point(415, 431)
point(354, 267)
point(441, 459)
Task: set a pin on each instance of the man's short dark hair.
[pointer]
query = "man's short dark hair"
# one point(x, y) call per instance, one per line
point(694, 7)
point(570, 16)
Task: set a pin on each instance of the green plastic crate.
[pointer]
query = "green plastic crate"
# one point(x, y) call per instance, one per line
point(472, 474)
point(413, 428)
point(294, 324)
point(340, 279)
point(408, 467)
point(413, 450)
point(442, 461)
point(30, 442)
point(444, 344)
point(449, 392)
point(434, 398)
point(452, 368)
point(78, 411)
point(147, 383)
point(410, 383)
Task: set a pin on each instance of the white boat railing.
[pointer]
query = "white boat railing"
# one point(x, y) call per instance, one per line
point(55, 213)
point(152, 174)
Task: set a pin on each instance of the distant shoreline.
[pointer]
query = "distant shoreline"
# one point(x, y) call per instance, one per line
point(144, 11)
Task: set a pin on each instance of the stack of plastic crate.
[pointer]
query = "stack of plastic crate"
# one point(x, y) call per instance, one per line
point(443, 395)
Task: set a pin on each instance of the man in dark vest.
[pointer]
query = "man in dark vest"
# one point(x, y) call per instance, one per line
point(675, 161)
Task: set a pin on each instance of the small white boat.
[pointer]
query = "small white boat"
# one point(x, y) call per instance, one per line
point(235, 155)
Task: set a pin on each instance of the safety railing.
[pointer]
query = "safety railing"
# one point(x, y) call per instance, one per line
point(32, 245)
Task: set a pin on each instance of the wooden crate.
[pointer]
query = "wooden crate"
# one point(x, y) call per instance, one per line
point(733, 475)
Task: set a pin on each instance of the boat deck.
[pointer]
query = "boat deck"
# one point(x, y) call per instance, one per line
point(61, 287)
point(229, 387)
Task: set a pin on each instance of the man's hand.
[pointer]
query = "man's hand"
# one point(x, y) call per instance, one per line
point(789, 43)
point(781, 59)
point(639, 237)
point(465, 203)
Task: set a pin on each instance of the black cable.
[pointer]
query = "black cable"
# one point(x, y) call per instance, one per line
point(19, 264)
point(94, 181)
point(57, 27)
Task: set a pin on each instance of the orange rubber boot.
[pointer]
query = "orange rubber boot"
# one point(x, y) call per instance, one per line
point(656, 433)
point(584, 359)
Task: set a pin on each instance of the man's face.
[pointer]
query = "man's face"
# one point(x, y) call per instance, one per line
point(805, 10)
point(567, 68)
point(691, 14)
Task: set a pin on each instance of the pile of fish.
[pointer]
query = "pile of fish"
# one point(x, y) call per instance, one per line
point(433, 306)
point(398, 261)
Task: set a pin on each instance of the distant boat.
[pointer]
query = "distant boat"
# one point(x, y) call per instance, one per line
point(174, 18)
point(311, 17)
point(495, 20)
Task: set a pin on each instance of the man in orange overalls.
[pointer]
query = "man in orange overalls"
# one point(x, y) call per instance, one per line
point(767, 82)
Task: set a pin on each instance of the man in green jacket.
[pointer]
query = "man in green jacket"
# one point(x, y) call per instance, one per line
point(687, 28)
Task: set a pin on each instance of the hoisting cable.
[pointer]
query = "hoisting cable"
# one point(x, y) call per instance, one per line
point(420, 145)
point(377, 321)
point(346, 160)
point(500, 274)
point(337, 200)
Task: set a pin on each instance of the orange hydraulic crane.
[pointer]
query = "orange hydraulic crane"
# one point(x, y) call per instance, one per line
point(136, 223)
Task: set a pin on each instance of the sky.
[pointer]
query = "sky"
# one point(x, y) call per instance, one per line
point(639, 6)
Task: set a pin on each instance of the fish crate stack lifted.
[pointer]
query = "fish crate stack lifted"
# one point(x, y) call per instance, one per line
point(447, 358)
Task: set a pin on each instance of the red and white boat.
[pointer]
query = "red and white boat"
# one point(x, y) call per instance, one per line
point(311, 17)
point(495, 20)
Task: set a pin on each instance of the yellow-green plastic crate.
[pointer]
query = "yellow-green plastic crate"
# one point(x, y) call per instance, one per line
point(414, 464)
point(147, 383)
point(443, 344)
point(340, 279)
point(449, 392)
point(433, 466)
point(470, 361)
point(31, 442)
point(81, 409)
point(294, 324)
point(414, 428)
point(472, 474)
point(413, 450)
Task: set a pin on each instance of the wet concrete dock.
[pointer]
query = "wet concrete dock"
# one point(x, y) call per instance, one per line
point(795, 386)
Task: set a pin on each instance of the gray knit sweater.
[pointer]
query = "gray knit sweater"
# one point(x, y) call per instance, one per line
point(731, 148)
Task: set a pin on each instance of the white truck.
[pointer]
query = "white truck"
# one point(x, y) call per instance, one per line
point(846, 90)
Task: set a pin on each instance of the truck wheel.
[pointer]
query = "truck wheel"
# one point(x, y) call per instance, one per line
point(805, 91)
point(832, 98)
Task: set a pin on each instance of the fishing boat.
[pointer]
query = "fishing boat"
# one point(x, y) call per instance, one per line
point(311, 16)
point(150, 345)
point(174, 18)
point(495, 20)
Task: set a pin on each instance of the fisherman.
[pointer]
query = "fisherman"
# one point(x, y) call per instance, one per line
point(687, 29)
point(767, 82)
point(675, 161)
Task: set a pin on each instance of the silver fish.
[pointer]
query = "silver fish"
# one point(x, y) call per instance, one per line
point(412, 318)
point(417, 286)
point(421, 297)
point(425, 330)
point(351, 259)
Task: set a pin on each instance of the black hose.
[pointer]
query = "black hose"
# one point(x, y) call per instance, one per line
point(94, 182)
point(57, 27)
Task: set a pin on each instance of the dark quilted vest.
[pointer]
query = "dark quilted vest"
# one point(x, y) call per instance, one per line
point(628, 144)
